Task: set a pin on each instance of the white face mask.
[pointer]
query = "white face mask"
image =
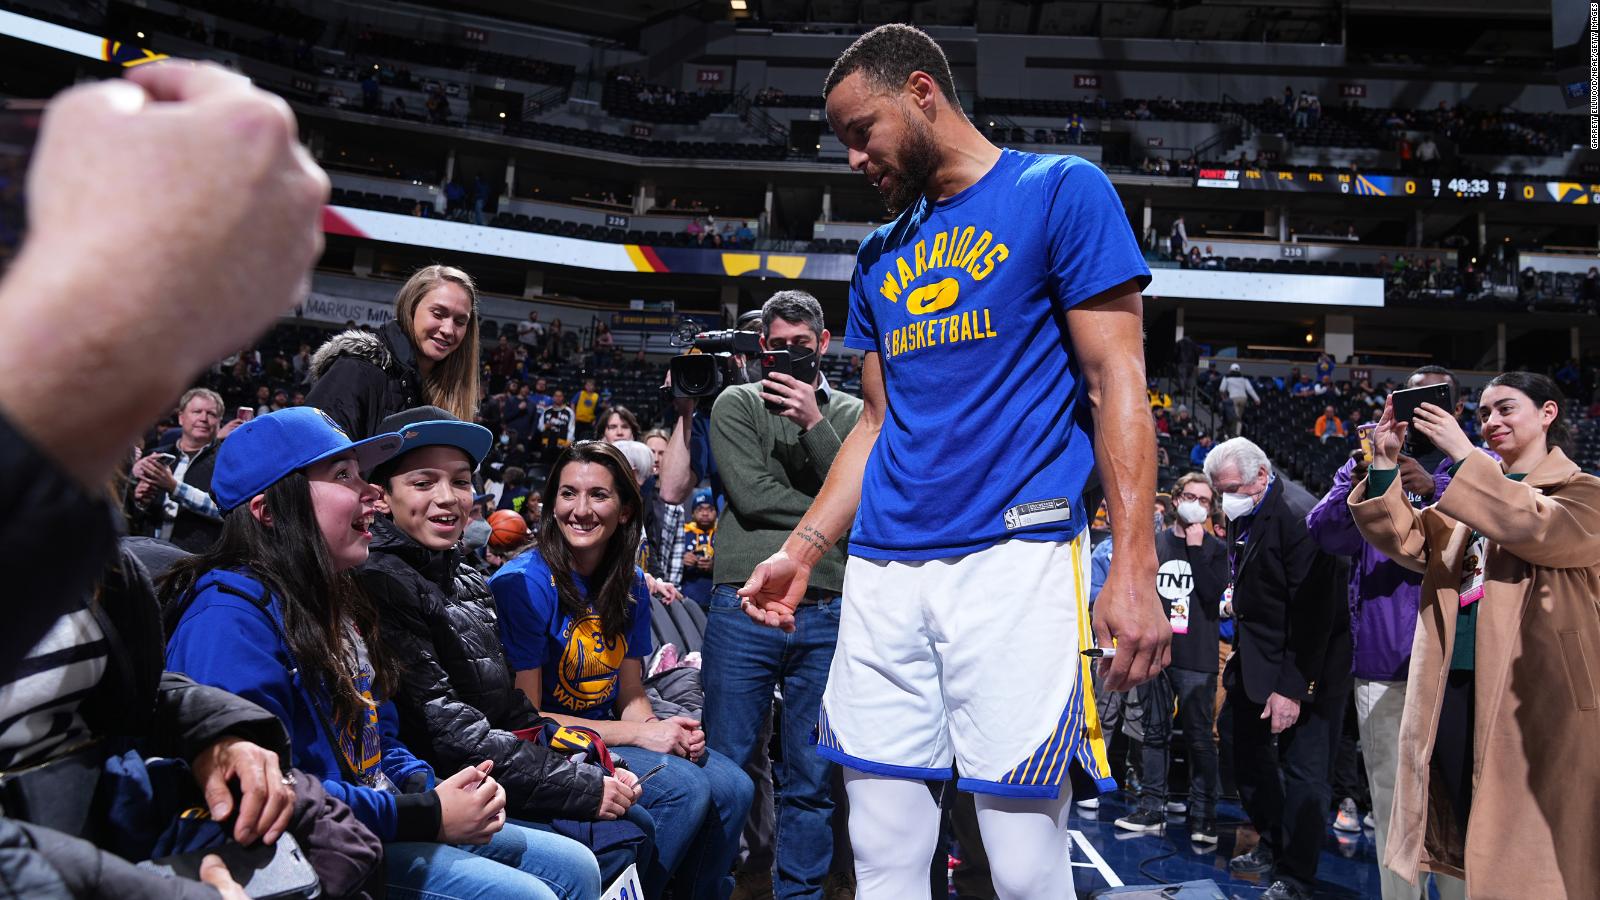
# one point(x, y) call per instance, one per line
point(1191, 511)
point(1236, 505)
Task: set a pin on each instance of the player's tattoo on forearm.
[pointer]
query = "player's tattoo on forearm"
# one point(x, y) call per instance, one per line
point(815, 538)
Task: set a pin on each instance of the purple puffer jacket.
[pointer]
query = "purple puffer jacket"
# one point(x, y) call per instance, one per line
point(1383, 594)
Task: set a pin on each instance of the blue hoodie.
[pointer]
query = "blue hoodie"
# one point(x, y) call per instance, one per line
point(228, 641)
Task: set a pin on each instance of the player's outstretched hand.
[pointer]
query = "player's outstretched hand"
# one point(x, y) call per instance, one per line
point(775, 590)
point(1129, 612)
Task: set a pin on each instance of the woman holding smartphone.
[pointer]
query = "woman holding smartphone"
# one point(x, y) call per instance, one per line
point(426, 354)
point(575, 622)
point(271, 614)
point(1502, 714)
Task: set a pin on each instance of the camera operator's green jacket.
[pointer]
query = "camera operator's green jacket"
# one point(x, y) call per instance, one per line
point(771, 472)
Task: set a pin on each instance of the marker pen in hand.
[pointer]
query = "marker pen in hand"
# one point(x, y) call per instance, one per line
point(1101, 652)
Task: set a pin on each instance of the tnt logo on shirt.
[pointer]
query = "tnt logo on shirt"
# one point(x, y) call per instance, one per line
point(1175, 584)
point(587, 676)
point(959, 249)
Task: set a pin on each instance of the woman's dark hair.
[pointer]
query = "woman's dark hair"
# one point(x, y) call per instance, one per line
point(1541, 390)
point(611, 585)
point(291, 558)
point(602, 421)
point(515, 476)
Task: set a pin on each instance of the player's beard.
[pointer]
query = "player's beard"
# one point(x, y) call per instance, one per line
point(918, 160)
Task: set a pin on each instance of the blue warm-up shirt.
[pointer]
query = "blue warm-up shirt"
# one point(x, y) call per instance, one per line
point(965, 303)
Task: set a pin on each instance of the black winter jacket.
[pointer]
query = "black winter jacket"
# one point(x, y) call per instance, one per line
point(191, 531)
point(360, 379)
point(457, 700)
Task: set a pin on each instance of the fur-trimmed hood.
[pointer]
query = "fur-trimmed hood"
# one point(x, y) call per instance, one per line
point(355, 342)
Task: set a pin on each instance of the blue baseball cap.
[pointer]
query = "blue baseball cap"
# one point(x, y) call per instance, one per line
point(263, 450)
point(430, 426)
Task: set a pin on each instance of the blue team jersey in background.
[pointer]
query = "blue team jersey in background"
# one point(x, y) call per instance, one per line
point(987, 435)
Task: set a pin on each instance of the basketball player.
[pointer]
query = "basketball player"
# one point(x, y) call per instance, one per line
point(1000, 313)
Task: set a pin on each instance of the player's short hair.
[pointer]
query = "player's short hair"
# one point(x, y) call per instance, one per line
point(888, 54)
point(794, 307)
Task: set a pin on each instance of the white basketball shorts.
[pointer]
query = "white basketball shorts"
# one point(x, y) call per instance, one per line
point(972, 659)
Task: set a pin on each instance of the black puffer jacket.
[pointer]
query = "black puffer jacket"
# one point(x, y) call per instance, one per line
point(360, 379)
point(457, 701)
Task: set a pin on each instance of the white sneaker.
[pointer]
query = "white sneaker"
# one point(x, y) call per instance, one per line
point(1177, 807)
point(1368, 822)
point(1349, 818)
point(1090, 803)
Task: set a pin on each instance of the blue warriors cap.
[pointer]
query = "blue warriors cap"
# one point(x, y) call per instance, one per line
point(701, 497)
point(430, 426)
point(262, 451)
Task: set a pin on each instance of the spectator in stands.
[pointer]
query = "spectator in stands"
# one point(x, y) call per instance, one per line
point(1325, 387)
point(503, 359)
point(1178, 239)
point(171, 495)
point(696, 229)
point(555, 342)
point(455, 697)
point(1505, 692)
point(1383, 614)
point(1240, 393)
point(514, 490)
point(428, 353)
point(268, 614)
point(1191, 579)
point(578, 588)
point(663, 520)
point(1183, 426)
point(699, 553)
point(1302, 386)
point(300, 365)
point(1589, 291)
point(531, 332)
point(1290, 675)
point(558, 425)
point(1201, 449)
point(746, 238)
point(1325, 365)
point(1186, 354)
point(587, 404)
point(521, 412)
point(1427, 155)
point(604, 348)
point(1162, 421)
point(263, 402)
point(1193, 260)
point(616, 423)
point(1328, 425)
point(540, 395)
point(769, 488)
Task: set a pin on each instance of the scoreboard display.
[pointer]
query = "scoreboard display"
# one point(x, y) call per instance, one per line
point(1336, 181)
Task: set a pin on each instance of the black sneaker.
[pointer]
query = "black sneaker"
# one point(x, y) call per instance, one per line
point(1285, 890)
point(1203, 831)
point(1255, 862)
point(1143, 820)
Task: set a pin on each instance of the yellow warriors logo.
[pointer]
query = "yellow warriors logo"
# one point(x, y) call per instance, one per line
point(930, 298)
point(589, 664)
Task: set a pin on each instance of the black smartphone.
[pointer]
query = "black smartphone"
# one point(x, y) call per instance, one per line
point(1406, 403)
point(801, 365)
point(278, 871)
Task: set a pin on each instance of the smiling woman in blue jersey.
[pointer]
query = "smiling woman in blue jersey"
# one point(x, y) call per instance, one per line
point(575, 622)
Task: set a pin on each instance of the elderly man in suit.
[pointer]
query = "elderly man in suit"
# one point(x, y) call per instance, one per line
point(1290, 675)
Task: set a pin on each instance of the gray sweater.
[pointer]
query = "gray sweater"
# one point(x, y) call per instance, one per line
point(771, 472)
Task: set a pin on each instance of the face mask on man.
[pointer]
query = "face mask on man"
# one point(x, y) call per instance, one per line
point(1191, 511)
point(1236, 505)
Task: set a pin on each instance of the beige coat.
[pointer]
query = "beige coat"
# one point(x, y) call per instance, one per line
point(1534, 829)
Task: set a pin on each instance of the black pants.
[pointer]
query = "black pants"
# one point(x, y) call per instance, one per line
point(1348, 773)
point(1283, 783)
point(1452, 746)
point(1195, 693)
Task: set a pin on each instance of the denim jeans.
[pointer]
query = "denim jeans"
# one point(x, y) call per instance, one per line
point(743, 663)
point(698, 811)
point(1195, 693)
point(519, 861)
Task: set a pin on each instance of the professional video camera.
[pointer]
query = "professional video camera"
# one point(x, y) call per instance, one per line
point(709, 366)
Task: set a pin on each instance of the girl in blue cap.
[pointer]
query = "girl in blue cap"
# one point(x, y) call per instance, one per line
point(271, 613)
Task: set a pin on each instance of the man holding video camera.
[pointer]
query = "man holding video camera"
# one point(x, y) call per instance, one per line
point(774, 442)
